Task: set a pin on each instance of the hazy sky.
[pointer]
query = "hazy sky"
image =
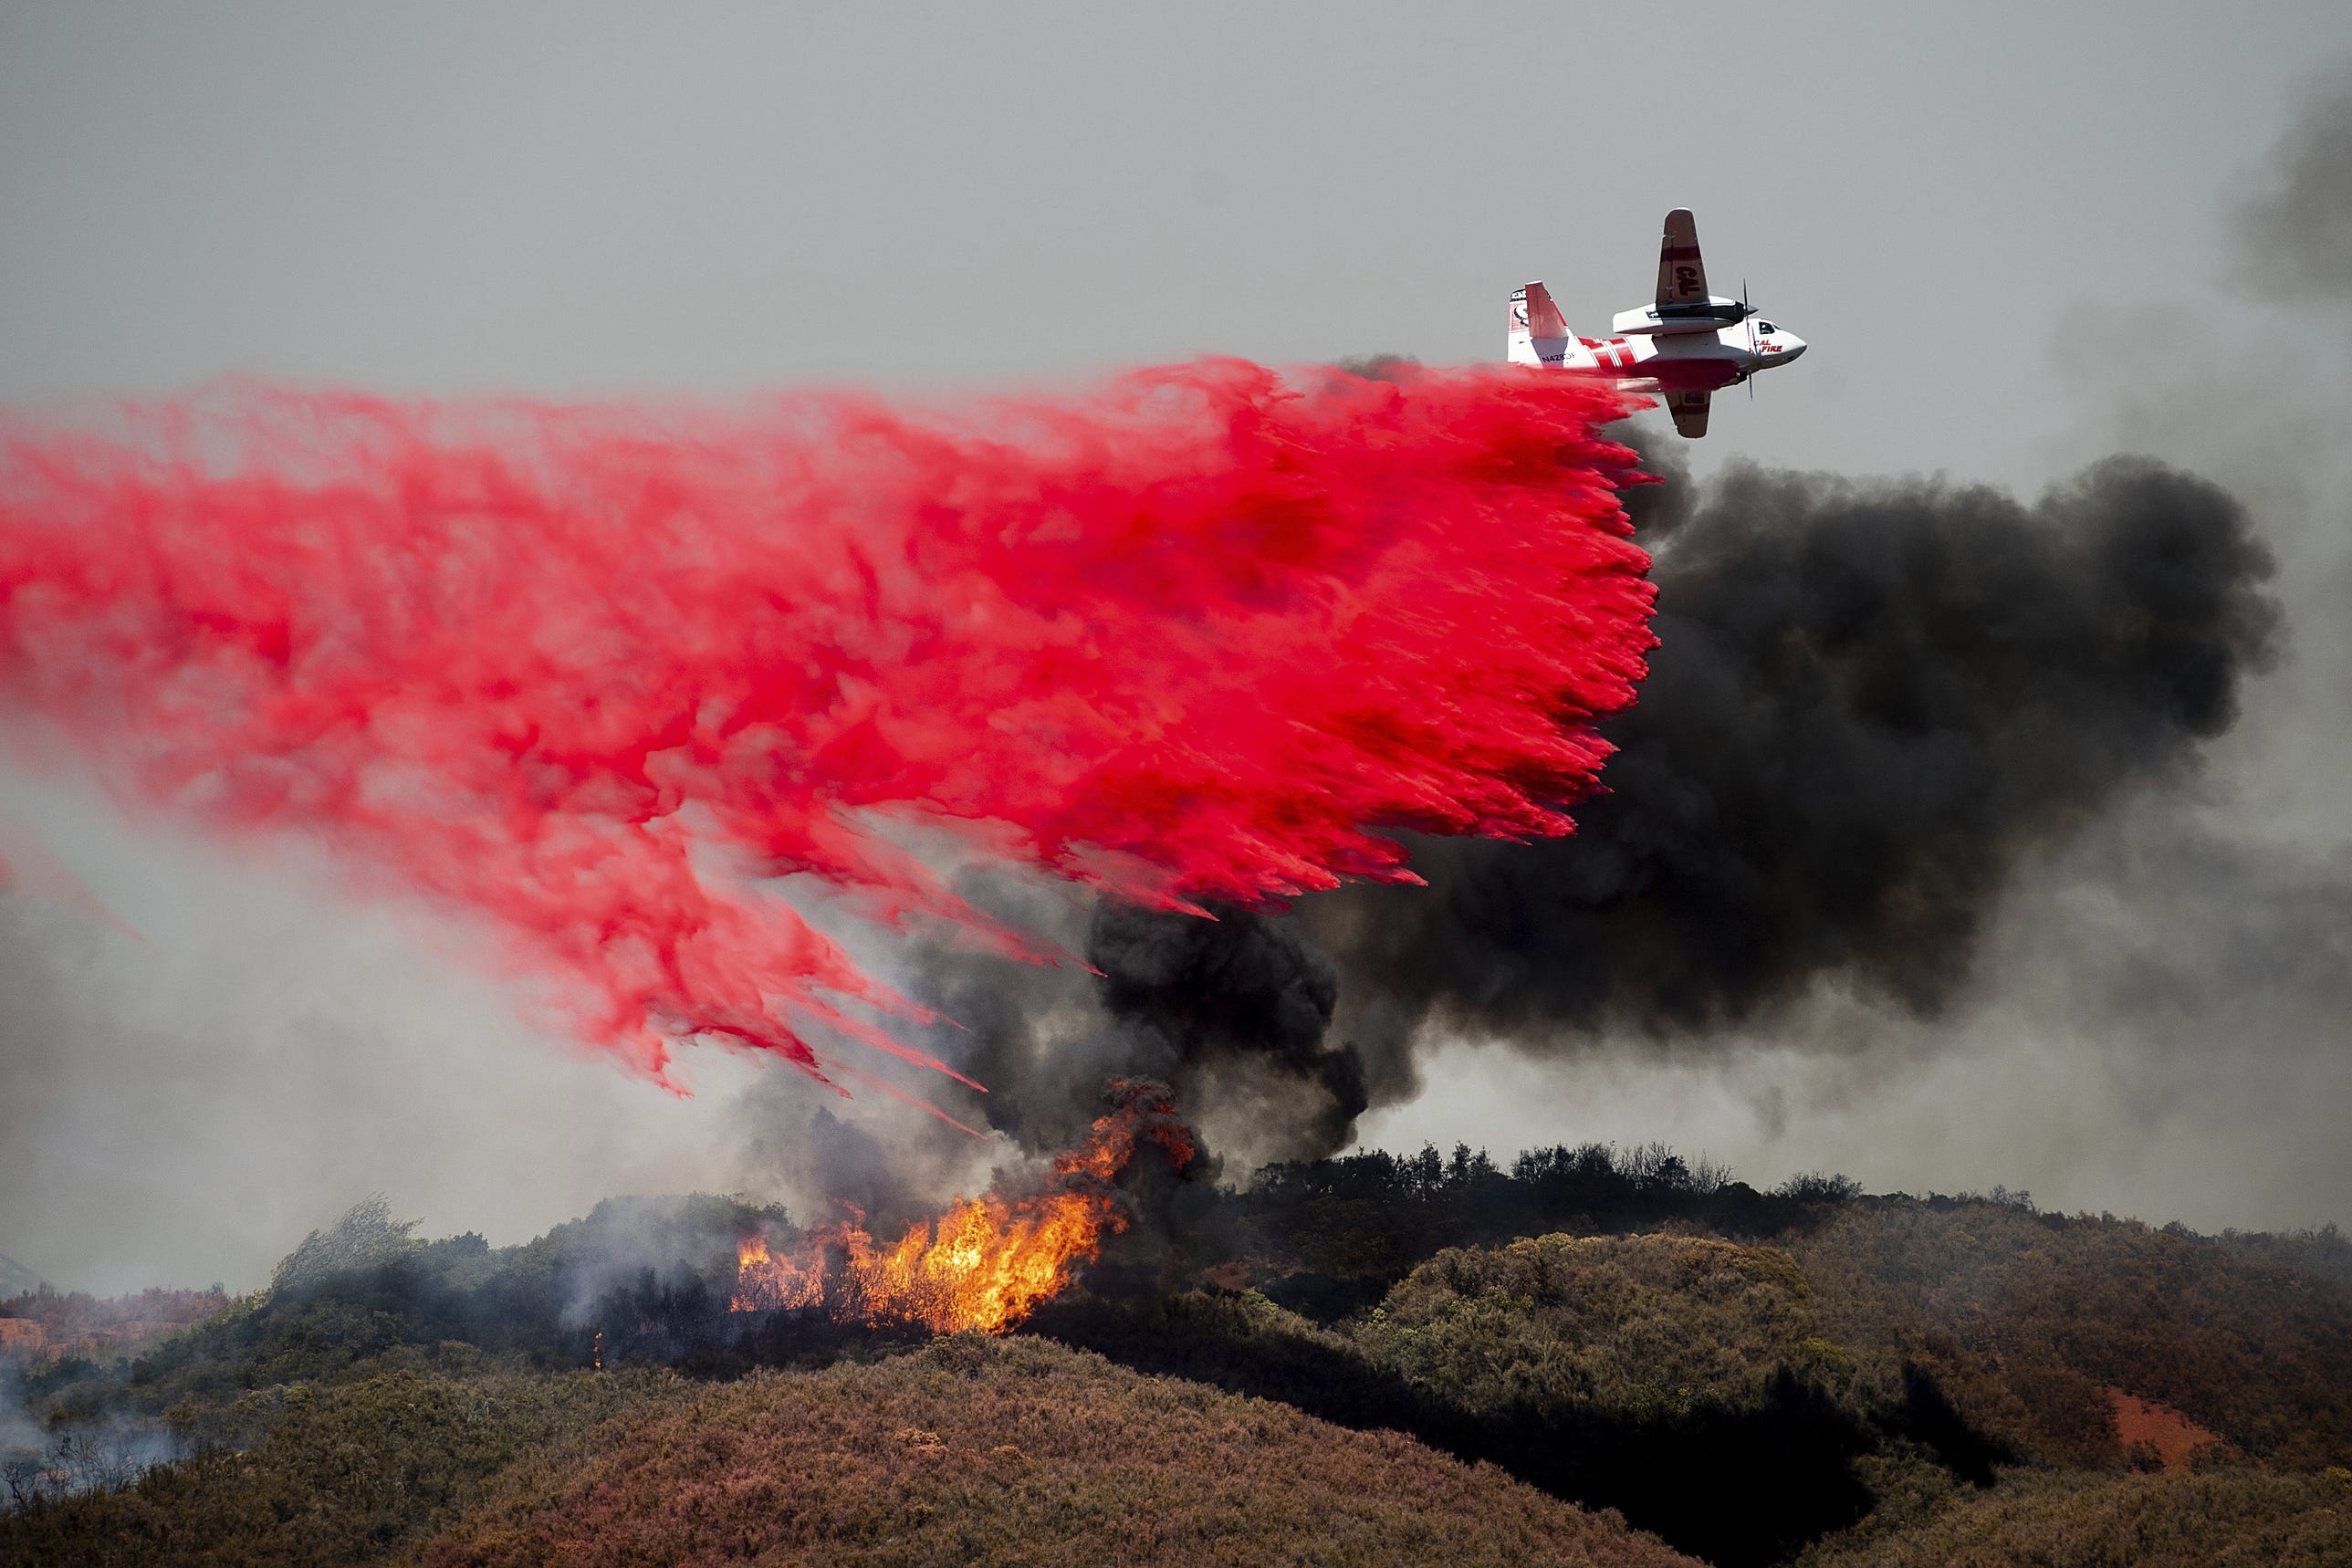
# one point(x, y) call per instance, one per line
point(2004, 230)
point(576, 198)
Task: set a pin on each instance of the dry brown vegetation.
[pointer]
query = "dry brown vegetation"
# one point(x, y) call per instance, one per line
point(1014, 1452)
point(2227, 1518)
point(311, 1477)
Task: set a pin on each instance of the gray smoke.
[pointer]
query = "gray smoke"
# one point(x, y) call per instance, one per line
point(2297, 226)
point(1234, 1013)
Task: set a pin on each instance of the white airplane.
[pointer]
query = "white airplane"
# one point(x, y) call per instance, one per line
point(1684, 347)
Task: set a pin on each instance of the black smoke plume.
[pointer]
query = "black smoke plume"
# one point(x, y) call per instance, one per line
point(1867, 703)
point(1871, 700)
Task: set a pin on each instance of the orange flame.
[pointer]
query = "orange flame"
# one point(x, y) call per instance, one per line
point(988, 1262)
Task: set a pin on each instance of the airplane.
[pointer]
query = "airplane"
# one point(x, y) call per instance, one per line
point(1685, 347)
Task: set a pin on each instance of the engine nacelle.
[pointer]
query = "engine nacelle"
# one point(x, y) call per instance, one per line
point(1657, 322)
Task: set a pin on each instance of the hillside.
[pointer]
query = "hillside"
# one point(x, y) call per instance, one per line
point(2036, 1320)
point(1369, 1360)
point(1683, 1381)
point(968, 1450)
point(1017, 1452)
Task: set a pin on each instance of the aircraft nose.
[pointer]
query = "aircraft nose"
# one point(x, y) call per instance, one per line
point(1792, 346)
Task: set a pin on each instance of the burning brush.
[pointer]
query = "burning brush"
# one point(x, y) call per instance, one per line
point(989, 1261)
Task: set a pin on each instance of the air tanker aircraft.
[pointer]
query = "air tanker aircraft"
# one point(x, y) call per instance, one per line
point(1683, 348)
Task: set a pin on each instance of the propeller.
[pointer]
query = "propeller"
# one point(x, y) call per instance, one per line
point(1748, 314)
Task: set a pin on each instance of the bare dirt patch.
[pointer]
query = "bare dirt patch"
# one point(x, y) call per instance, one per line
point(2146, 1427)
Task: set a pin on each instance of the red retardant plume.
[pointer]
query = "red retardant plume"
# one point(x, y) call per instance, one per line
point(591, 673)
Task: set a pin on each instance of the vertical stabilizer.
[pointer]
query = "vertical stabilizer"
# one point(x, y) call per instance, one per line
point(1519, 346)
point(1539, 334)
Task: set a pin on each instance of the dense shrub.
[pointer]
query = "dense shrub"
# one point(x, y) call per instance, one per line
point(1641, 1326)
point(1683, 1380)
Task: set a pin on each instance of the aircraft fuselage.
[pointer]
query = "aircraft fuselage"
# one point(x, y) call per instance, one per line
point(1692, 362)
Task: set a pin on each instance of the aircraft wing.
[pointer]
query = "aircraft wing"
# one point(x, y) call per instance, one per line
point(1682, 276)
point(1689, 409)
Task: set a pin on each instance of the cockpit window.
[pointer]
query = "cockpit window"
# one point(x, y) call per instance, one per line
point(1766, 327)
